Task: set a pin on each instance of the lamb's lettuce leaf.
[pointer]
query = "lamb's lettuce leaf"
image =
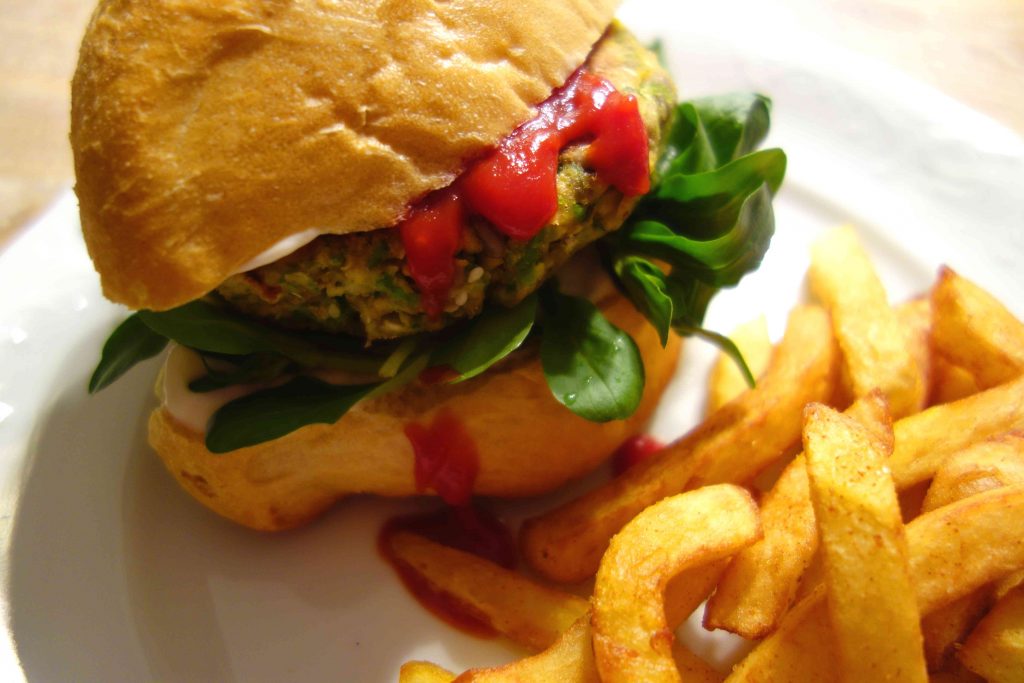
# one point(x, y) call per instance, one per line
point(271, 413)
point(205, 326)
point(592, 367)
point(486, 339)
point(225, 371)
point(130, 343)
point(707, 222)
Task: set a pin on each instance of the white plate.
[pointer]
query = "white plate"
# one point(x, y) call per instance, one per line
point(112, 573)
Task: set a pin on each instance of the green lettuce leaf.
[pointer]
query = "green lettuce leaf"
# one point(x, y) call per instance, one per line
point(592, 367)
point(708, 221)
point(645, 284)
point(710, 132)
point(271, 413)
point(225, 371)
point(720, 259)
point(488, 338)
point(131, 343)
point(206, 327)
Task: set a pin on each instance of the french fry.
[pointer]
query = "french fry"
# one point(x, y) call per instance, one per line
point(946, 628)
point(873, 615)
point(950, 382)
point(812, 577)
point(956, 673)
point(973, 330)
point(998, 461)
point(876, 348)
point(688, 589)
point(520, 609)
point(912, 500)
point(566, 544)
point(990, 464)
point(953, 551)
point(964, 545)
point(915, 318)
point(960, 624)
point(925, 440)
point(632, 640)
point(570, 660)
point(800, 649)
point(995, 649)
point(943, 677)
point(424, 672)
point(949, 625)
point(1008, 583)
point(692, 668)
point(761, 580)
point(817, 374)
point(726, 382)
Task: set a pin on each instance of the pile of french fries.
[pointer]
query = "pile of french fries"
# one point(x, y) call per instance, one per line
point(890, 549)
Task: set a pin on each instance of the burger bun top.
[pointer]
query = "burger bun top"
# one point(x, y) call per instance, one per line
point(206, 131)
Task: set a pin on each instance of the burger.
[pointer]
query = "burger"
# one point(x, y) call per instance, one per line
point(401, 248)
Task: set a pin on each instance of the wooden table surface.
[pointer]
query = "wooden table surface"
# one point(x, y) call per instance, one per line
point(971, 49)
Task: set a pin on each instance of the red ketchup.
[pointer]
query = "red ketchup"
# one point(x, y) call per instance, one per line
point(445, 458)
point(634, 450)
point(438, 374)
point(514, 186)
point(467, 528)
point(431, 236)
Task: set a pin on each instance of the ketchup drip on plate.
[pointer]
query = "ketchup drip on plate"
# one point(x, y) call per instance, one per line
point(466, 528)
point(514, 187)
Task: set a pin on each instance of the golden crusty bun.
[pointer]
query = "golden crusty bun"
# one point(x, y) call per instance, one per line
point(527, 443)
point(206, 131)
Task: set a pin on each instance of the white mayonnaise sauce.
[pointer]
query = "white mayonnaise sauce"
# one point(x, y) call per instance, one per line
point(194, 410)
point(281, 249)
